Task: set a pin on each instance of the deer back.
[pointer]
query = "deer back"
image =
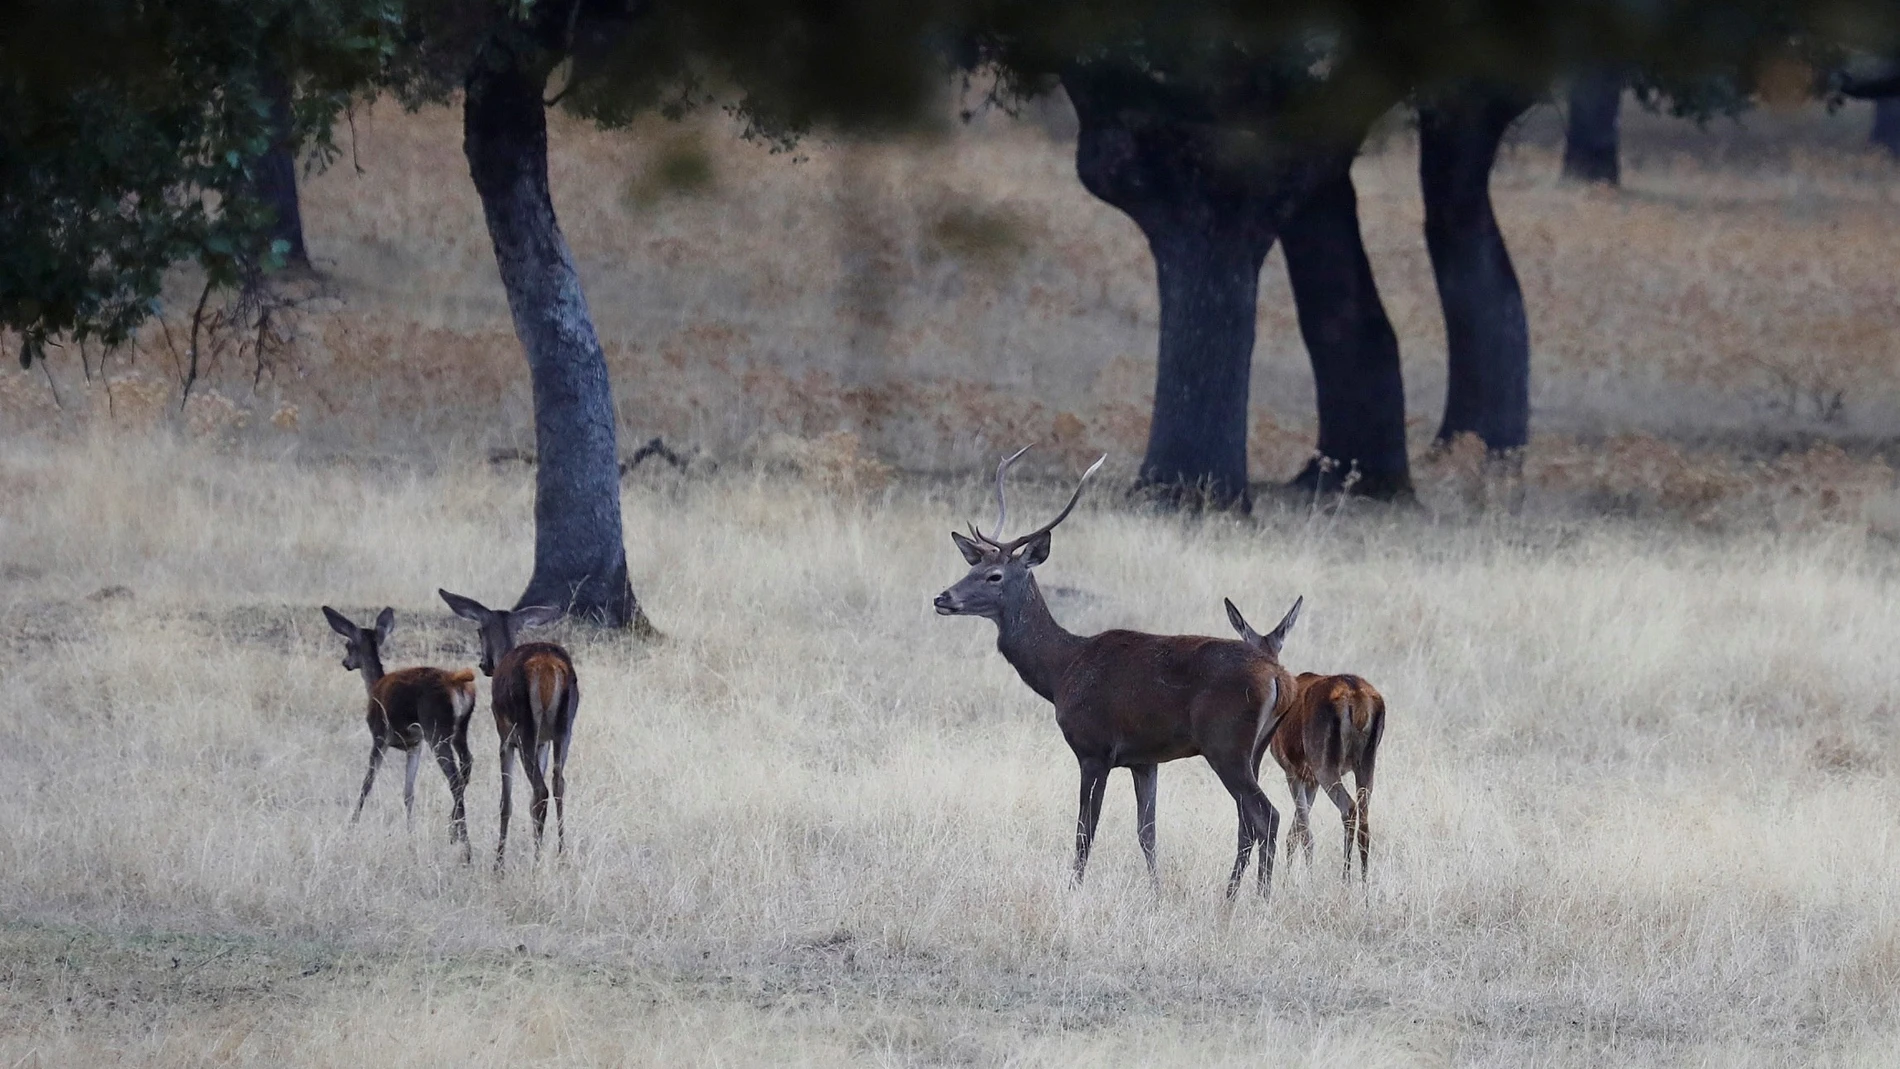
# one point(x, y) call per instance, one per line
point(413, 704)
point(1140, 697)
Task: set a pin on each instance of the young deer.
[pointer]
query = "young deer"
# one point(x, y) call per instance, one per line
point(1333, 727)
point(411, 708)
point(1125, 699)
point(535, 696)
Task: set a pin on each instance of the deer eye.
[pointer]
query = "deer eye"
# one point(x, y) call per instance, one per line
point(994, 577)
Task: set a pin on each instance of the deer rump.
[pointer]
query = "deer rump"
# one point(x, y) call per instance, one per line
point(1338, 721)
point(538, 678)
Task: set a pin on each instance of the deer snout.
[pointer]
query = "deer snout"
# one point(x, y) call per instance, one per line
point(946, 604)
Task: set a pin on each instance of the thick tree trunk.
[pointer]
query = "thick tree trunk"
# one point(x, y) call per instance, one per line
point(1886, 131)
point(277, 175)
point(1210, 216)
point(1590, 135)
point(1487, 389)
point(1209, 282)
point(580, 562)
point(1354, 351)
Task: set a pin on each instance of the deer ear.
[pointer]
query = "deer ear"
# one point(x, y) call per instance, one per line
point(385, 623)
point(536, 615)
point(466, 608)
point(1277, 637)
point(1240, 625)
point(1036, 551)
point(339, 623)
point(970, 550)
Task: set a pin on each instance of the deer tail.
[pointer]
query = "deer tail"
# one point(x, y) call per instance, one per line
point(1264, 732)
point(462, 691)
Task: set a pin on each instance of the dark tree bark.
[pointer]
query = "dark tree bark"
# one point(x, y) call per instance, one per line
point(1886, 131)
point(1487, 390)
point(1210, 216)
point(277, 175)
point(1590, 134)
point(580, 562)
point(1354, 351)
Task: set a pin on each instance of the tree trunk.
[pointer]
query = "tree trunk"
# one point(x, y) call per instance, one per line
point(1210, 215)
point(1487, 389)
point(1354, 351)
point(1209, 281)
point(277, 175)
point(1886, 131)
point(1590, 135)
point(580, 562)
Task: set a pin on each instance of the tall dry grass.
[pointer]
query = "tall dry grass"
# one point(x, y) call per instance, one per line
point(1636, 802)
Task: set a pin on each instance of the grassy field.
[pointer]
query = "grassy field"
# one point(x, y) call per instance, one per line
point(1637, 800)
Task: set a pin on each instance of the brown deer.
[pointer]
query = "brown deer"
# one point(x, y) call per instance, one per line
point(1125, 699)
point(535, 696)
point(409, 709)
point(1334, 726)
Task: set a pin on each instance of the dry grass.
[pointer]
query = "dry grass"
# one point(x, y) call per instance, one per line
point(1636, 805)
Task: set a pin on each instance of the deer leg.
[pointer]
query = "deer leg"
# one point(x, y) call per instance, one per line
point(1089, 813)
point(1146, 777)
point(376, 748)
point(1362, 779)
point(1301, 833)
point(559, 784)
point(1259, 823)
point(507, 794)
point(458, 816)
point(412, 760)
point(531, 758)
point(1349, 816)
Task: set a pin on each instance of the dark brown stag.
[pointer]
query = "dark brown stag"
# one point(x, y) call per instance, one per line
point(1333, 727)
point(409, 709)
point(535, 696)
point(1125, 699)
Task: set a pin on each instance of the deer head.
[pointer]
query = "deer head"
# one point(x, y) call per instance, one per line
point(999, 579)
point(500, 628)
point(1270, 642)
point(362, 646)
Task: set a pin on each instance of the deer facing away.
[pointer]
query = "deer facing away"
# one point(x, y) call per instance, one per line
point(1124, 699)
point(409, 709)
point(535, 696)
point(1333, 727)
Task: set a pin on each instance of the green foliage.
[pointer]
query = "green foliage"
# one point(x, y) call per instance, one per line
point(127, 135)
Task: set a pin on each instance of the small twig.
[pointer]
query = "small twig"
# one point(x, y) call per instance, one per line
point(197, 323)
point(51, 385)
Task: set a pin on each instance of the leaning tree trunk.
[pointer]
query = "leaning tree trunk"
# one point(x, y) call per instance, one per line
point(277, 175)
point(580, 562)
point(1209, 222)
point(1590, 134)
point(1886, 131)
point(1487, 389)
point(1354, 351)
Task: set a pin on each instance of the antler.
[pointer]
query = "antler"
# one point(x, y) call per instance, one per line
point(1002, 506)
point(1015, 543)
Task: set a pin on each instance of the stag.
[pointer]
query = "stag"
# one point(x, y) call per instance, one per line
point(535, 696)
point(409, 709)
point(1333, 726)
point(1124, 699)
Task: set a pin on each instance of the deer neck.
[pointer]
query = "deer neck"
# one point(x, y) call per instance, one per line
point(1034, 644)
point(372, 669)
